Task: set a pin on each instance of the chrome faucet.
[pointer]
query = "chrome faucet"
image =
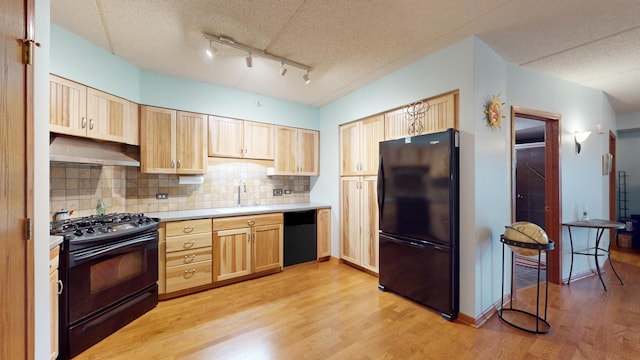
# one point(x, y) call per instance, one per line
point(244, 185)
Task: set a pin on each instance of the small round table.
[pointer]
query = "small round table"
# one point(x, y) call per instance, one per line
point(600, 226)
point(541, 324)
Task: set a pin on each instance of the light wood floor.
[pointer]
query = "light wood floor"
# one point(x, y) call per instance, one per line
point(332, 311)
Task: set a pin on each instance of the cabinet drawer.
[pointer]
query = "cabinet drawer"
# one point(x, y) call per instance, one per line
point(188, 257)
point(188, 227)
point(238, 222)
point(187, 276)
point(54, 259)
point(186, 242)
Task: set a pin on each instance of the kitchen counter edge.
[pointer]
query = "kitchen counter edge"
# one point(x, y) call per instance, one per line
point(165, 216)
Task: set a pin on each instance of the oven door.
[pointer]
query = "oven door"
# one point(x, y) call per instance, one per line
point(103, 275)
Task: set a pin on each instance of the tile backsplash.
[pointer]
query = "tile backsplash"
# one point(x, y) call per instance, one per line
point(125, 189)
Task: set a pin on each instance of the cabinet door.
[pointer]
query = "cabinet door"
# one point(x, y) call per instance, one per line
point(258, 140)
point(225, 137)
point(157, 140)
point(107, 115)
point(308, 152)
point(132, 135)
point(350, 246)
point(67, 107)
point(267, 247)
point(371, 133)
point(232, 253)
point(53, 293)
point(369, 218)
point(396, 125)
point(286, 148)
point(350, 149)
point(191, 143)
point(323, 233)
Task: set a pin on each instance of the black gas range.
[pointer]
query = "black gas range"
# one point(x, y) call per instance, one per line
point(109, 270)
point(96, 229)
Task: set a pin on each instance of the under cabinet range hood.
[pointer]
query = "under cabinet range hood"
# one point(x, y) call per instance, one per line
point(86, 151)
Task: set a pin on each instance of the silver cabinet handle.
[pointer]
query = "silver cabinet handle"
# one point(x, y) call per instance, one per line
point(179, 163)
point(60, 287)
point(188, 229)
point(251, 222)
point(189, 258)
point(190, 272)
point(90, 124)
point(84, 123)
point(173, 164)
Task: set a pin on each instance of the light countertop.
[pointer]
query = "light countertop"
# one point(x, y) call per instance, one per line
point(54, 241)
point(233, 211)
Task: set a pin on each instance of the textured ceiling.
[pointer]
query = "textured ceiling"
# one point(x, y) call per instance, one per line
point(352, 43)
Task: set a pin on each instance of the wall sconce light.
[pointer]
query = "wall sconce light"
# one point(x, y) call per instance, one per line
point(305, 77)
point(579, 138)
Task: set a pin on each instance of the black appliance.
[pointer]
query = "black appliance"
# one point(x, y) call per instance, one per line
point(418, 189)
point(109, 270)
point(299, 237)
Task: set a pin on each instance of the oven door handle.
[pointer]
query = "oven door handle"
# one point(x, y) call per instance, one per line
point(82, 255)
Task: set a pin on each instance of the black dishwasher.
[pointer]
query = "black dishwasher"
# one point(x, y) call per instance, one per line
point(299, 237)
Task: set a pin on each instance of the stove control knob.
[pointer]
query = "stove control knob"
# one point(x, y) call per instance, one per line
point(77, 232)
point(90, 230)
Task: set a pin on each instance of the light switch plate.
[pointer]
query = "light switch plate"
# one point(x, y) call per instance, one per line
point(277, 192)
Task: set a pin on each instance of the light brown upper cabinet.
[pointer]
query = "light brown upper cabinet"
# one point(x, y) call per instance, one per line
point(440, 113)
point(234, 138)
point(359, 146)
point(172, 142)
point(297, 151)
point(79, 110)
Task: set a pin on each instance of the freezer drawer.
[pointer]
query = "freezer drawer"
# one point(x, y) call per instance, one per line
point(423, 272)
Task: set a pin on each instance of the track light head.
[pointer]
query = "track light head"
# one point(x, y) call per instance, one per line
point(249, 60)
point(283, 69)
point(306, 78)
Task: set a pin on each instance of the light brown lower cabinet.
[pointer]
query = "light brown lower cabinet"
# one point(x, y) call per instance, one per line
point(323, 234)
point(246, 245)
point(185, 255)
point(55, 287)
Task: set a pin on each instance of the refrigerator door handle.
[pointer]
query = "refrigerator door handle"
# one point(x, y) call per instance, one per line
point(380, 188)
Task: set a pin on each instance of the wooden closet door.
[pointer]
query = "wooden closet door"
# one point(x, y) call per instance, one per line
point(16, 172)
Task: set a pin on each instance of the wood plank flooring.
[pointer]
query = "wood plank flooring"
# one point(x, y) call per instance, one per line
point(332, 311)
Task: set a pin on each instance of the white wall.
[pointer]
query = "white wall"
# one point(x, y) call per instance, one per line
point(41, 182)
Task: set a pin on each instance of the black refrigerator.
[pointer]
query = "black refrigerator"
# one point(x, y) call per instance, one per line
point(418, 201)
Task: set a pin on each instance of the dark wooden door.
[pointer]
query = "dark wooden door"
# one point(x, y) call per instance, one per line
point(16, 306)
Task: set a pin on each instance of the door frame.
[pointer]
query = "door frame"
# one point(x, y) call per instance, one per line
point(553, 199)
point(613, 201)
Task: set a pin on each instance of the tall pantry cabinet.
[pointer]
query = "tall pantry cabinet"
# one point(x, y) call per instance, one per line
point(358, 183)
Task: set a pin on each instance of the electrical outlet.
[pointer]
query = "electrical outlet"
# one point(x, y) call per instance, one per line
point(287, 192)
point(162, 196)
point(277, 192)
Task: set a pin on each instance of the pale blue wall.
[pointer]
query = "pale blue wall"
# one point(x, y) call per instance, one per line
point(628, 151)
point(77, 59)
point(581, 109)
point(469, 66)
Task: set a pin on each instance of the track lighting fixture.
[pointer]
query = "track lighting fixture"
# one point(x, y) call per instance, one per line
point(283, 69)
point(284, 63)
